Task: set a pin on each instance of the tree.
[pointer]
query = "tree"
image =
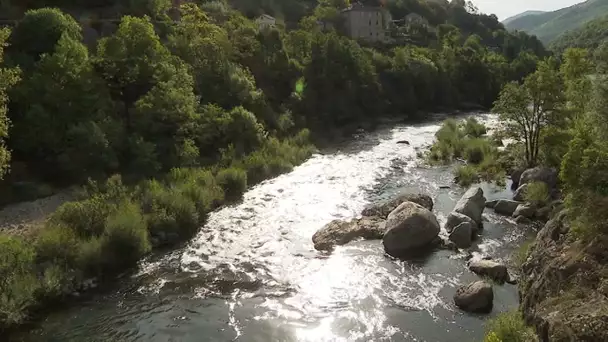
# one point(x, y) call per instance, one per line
point(527, 109)
point(38, 33)
point(8, 77)
point(576, 70)
point(58, 113)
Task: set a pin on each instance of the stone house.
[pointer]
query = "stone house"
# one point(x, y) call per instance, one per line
point(266, 21)
point(366, 22)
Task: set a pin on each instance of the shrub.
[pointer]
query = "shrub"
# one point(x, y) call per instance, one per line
point(476, 150)
point(466, 175)
point(509, 327)
point(56, 280)
point(537, 193)
point(90, 257)
point(86, 218)
point(18, 281)
point(233, 181)
point(521, 254)
point(257, 167)
point(57, 244)
point(473, 128)
point(125, 239)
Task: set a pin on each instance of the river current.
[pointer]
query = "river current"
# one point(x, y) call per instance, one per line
point(252, 274)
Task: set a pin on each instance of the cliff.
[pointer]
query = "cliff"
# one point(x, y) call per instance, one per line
point(564, 285)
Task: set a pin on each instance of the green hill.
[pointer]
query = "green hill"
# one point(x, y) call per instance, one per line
point(521, 15)
point(588, 36)
point(548, 26)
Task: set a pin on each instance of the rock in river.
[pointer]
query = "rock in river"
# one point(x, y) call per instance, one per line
point(475, 297)
point(382, 210)
point(337, 232)
point(540, 174)
point(506, 207)
point(472, 204)
point(454, 219)
point(463, 234)
point(525, 210)
point(497, 271)
point(409, 228)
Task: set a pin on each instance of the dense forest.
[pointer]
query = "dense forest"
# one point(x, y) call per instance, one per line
point(172, 112)
point(548, 26)
point(589, 36)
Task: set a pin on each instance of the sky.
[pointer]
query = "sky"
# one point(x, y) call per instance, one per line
point(506, 8)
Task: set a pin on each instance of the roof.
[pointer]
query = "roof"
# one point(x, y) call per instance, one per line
point(266, 16)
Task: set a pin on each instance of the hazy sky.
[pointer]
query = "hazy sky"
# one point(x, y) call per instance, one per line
point(506, 8)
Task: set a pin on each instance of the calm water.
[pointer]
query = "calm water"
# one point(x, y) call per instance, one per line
point(252, 274)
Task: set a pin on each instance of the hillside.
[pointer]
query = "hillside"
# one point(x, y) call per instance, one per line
point(550, 25)
point(589, 36)
point(521, 15)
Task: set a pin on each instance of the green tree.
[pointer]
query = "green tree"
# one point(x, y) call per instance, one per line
point(8, 77)
point(38, 33)
point(575, 71)
point(59, 115)
point(526, 110)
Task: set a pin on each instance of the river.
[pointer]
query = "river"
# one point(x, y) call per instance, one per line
point(251, 273)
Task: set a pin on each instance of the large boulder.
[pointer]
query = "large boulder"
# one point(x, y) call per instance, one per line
point(455, 219)
point(496, 271)
point(506, 207)
point(472, 204)
point(526, 210)
point(477, 297)
point(515, 177)
point(409, 228)
point(491, 204)
point(546, 175)
point(520, 193)
point(337, 232)
point(382, 210)
point(463, 234)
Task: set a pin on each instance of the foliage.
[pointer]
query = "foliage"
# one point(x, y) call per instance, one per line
point(589, 36)
point(527, 109)
point(537, 193)
point(8, 77)
point(233, 181)
point(509, 327)
point(550, 25)
point(466, 175)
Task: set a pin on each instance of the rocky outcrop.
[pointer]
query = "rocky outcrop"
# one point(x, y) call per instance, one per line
point(515, 177)
point(455, 219)
point(472, 204)
point(382, 210)
point(476, 297)
point(522, 220)
point(410, 228)
point(489, 268)
point(491, 204)
point(506, 207)
point(463, 234)
point(564, 285)
point(337, 232)
point(526, 210)
point(540, 174)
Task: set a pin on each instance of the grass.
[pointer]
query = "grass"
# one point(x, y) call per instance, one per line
point(537, 193)
point(114, 225)
point(467, 142)
point(509, 327)
point(521, 254)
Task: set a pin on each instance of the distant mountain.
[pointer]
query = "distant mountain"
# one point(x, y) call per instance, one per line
point(549, 25)
point(521, 15)
point(588, 36)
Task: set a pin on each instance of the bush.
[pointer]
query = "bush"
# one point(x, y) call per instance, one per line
point(233, 181)
point(473, 128)
point(90, 257)
point(476, 150)
point(466, 175)
point(85, 218)
point(18, 281)
point(537, 193)
point(125, 239)
point(57, 244)
point(509, 327)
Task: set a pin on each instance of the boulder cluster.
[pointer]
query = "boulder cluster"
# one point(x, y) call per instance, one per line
point(407, 226)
